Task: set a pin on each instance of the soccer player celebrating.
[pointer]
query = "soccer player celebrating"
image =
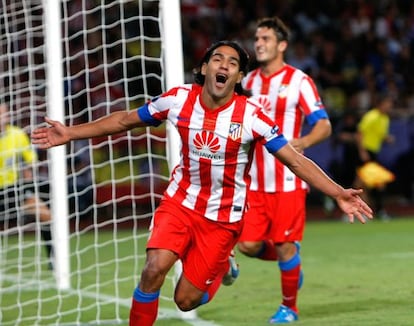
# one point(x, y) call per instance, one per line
point(199, 219)
point(275, 222)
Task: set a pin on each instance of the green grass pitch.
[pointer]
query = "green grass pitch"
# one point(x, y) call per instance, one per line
point(355, 274)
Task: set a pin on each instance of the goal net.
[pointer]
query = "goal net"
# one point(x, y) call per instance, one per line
point(112, 59)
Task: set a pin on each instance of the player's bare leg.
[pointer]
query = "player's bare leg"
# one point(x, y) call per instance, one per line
point(144, 307)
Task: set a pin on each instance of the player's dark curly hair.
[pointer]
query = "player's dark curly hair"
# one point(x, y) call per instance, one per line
point(244, 61)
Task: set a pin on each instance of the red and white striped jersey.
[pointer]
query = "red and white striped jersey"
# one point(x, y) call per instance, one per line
point(288, 97)
point(212, 177)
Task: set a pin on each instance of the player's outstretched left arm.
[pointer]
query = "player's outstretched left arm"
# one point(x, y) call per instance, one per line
point(348, 199)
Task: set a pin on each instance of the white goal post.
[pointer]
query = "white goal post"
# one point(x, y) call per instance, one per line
point(174, 71)
point(57, 166)
point(74, 61)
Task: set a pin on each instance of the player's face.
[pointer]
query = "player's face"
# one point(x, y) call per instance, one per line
point(222, 73)
point(266, 45)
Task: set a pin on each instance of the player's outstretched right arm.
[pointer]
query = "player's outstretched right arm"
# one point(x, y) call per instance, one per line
point(58, 134)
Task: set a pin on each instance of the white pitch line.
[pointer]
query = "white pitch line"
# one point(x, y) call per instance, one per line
point(166, 313)
point(400, 255)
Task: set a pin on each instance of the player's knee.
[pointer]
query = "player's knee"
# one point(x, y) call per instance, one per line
point(286, 250)
point(186, 303)
point(152, 278)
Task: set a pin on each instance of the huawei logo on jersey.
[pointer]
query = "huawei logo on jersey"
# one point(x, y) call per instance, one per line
point(264, 101)
point(206, 141)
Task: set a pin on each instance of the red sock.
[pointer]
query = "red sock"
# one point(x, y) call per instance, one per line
point(268, 251)
point(290, 281)
point(143, 313)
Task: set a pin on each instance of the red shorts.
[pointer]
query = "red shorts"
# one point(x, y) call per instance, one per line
point(276, 216)
point(202, 245)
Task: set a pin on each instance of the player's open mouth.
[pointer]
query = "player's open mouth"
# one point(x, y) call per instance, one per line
point(220, 78)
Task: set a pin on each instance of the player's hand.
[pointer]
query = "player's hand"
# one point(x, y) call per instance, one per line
point(297, 143)
point(353, 206)
point(47, 137)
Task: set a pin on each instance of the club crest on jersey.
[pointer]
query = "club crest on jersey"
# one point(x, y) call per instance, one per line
point(283, 90)
point(207, 145)
point(235, 130)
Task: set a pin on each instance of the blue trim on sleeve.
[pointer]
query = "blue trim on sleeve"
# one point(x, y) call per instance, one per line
point(276, 143)
point(290, 264)
point(315, 116)
point(144, 115)
point(140, 296)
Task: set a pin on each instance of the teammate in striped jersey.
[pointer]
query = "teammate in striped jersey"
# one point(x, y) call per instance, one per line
point(199, 219)
point(275, 221)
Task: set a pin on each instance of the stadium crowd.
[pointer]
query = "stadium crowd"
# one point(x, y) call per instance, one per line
point(353, 49)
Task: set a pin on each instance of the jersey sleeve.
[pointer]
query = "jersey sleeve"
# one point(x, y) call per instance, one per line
point(269, 133)
point(311, 102)
point(315, 116)
point(146, 116)
point(158, 109)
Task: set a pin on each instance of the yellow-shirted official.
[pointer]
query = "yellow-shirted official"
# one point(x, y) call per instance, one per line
point(373, 132)
point(374, 127)
point(19, 196)
point(14, 147)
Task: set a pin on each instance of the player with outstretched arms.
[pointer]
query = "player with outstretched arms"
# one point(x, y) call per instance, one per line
point(200, 216)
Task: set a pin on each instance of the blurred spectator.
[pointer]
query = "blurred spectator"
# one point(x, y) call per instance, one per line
point(301, 59)
point(366, 87)
point(388, 77)
point(330, 62)
point(80, 182)
point(360, 23)
point(346, 136)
